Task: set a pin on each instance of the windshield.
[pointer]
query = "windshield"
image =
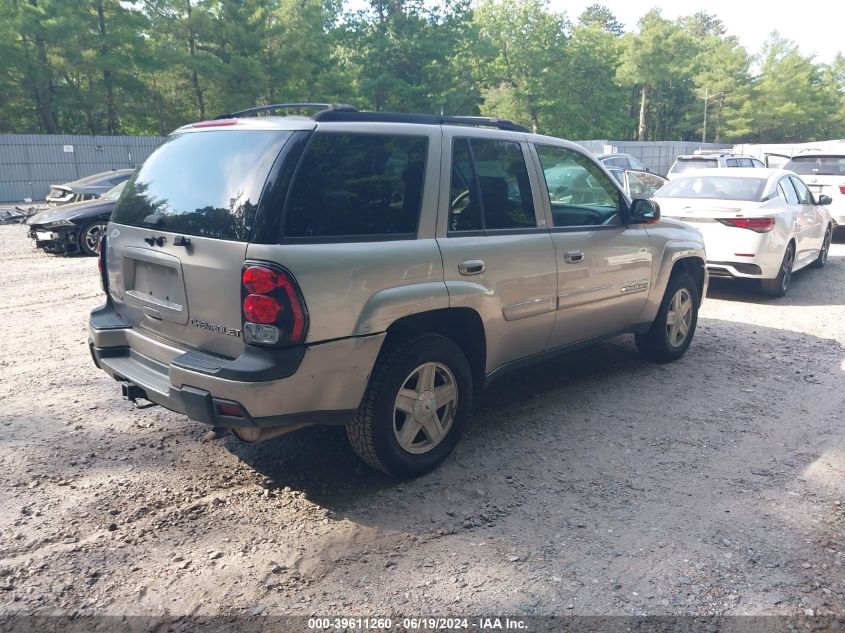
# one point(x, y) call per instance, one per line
point(714, 188)
point(817, 165)
point(687, 164)
point(114, 192)
point(202, 183)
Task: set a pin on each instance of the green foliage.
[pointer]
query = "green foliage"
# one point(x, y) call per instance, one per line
point(149, 66)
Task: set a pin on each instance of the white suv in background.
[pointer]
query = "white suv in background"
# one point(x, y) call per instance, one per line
point(824, 173)
point(702, 159)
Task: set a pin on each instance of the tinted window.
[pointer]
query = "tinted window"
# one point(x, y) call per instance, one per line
point(202, 183)
point(804, 195)
point(817, 165)
point(635, 164)
point(745, 162)
point(357, 185)
point(687, 164)
point(580, 194)
point(756, 163)
point(732, 162)
point(787, 192)
point(490, 188)
point(714, 188)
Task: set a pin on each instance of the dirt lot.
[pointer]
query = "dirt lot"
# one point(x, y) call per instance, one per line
point(595, 484)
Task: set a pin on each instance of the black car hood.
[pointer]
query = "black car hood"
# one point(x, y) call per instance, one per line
point(74, 211)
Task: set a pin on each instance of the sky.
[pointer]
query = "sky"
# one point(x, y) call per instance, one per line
point(815, 26)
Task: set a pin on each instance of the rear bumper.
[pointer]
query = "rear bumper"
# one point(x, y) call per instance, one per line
point(315, 384)
point(746, 270)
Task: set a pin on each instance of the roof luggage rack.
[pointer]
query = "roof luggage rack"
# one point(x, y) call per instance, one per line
point(341, 112)
point(728, 151)
point(320, 107)
point(425, 119)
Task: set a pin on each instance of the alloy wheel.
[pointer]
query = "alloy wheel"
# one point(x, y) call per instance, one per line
point(786, 272)
point(679, 317)
point(425, 407)
point(92, 237)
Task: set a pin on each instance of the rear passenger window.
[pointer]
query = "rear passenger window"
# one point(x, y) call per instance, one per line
point(731, 162)
point(787, 192)
point(357, 185)
point(490, 188)
point(804, 195)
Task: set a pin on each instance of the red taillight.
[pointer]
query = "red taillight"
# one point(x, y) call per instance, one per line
point(273, 310)
point(759, 225)
point(842, 189)
point(261, 309)
point(260, 279)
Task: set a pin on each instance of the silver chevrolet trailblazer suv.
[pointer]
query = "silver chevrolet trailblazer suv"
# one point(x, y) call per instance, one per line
point(375, 270)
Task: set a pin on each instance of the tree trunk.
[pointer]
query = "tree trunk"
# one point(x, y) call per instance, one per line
point(641, 130)
point(535, 123)
point(108, 80)
point(44, 93)
point(192, 49)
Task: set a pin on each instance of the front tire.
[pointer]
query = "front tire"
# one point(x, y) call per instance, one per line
point(415, 406)
point(821, 260)
point(778, 286)
point(89, 237)
point(671, 333)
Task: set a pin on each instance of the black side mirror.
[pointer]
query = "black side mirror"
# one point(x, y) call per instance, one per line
point(643, 212)
point(824, 200)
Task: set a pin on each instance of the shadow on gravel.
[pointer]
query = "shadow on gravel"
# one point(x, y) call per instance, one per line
point(808, 287)
point(547, 426)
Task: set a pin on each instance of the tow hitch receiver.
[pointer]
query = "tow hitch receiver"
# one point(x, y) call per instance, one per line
point(134, 393)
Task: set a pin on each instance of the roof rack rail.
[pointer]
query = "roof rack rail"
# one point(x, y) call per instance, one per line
point(343, 115)
point(320, 107)
point(727, 150)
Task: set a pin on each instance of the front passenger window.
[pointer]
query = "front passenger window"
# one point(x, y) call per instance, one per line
point(804, 195)
point(580, 193)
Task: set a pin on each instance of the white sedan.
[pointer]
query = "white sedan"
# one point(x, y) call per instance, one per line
point(757, 223)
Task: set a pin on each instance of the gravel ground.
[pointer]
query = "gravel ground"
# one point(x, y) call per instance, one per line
point(595, 484)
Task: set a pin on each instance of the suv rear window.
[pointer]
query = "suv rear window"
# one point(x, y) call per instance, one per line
point(817, 165)
point(202, 183)
point(350, 185)
point(688, 164)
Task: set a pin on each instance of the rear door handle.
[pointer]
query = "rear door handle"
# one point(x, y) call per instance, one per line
point(471, 267)
point(573, 257)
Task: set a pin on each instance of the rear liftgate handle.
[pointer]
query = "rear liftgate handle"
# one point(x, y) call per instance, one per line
point(471, 267)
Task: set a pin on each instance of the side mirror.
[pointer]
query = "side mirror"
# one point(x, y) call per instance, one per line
point(824, 200)
point(643, 212)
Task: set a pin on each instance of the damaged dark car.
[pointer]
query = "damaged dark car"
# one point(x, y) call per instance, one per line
point(88, 188)
point(76, 227)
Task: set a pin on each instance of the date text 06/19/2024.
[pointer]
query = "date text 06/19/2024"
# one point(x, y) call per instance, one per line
point(417, 624)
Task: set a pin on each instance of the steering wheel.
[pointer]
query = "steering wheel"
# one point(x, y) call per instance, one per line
point(461, 199)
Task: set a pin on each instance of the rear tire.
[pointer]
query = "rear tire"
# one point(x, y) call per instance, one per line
point(89, 237)
point(415, 406)
point(674, 326)
point(821, 260)
point(778, 286)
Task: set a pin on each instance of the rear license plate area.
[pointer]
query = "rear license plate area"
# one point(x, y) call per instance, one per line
point(156, 284)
